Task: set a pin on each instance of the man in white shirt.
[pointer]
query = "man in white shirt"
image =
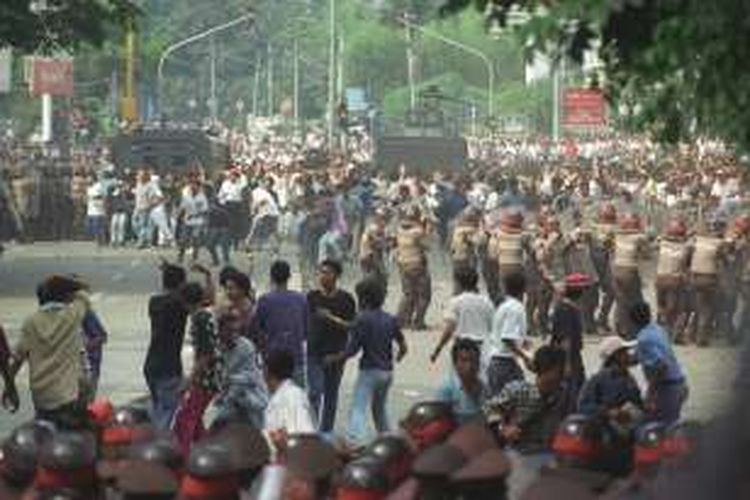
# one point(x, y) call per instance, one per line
point(288, 410)
point(468, 315)
point(194, 216)
point(506, 341)
point(232, 187)
point(96, 212)
point(142, 213)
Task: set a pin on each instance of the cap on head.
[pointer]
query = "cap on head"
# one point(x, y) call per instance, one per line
point(612, 344)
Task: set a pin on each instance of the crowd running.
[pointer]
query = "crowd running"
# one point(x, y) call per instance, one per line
point(546, 244)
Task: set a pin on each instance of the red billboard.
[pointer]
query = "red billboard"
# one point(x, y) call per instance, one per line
point(51, 75)
point(585, 107)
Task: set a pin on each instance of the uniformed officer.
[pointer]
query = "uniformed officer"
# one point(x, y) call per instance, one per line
point(671, 278)
point(411, 256)
point(708, 250)
point(602, 250)
point(512, 243)
point(373, 248)
point(631, 247)
point(465, 240)
point(579, 260)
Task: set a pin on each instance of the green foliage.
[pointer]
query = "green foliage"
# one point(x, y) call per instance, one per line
point(683, 61)
point(66, 24)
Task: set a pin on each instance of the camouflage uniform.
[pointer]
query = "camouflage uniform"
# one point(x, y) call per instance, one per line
point(416, 285)
point(372, 253)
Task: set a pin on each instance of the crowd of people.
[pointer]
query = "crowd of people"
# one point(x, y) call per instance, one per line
point(542, 242)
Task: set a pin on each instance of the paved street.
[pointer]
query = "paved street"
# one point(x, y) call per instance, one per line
point(123, 279)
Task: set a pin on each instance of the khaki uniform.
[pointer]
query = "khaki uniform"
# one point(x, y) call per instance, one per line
point(416, 287)
point(630, 249)
point(602, 249)
point(372, 252)
point(579, 259)
point(671, 280)
point(490, 268)
point(539, 293)
point(704, 278)
point(463, 247)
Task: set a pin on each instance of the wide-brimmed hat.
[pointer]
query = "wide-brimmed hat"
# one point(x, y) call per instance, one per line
point(613, 344)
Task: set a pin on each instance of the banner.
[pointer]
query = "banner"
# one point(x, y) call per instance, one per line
point(6, 70)
point(584, 107)
point(51, 75)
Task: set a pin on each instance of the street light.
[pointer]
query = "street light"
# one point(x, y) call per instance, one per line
point(187, 41)
point(466, 48)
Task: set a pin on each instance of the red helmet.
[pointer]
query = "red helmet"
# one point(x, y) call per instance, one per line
point(630, 222)
point(742, 224)
point(512, 221)
point(676, 228)
point(608, 214)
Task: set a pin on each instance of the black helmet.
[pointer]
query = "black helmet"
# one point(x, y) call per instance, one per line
point(21, 451)
point(365, 473)
point(161, 450)
point(131, 416)
point(67, 461)
point(395, 454)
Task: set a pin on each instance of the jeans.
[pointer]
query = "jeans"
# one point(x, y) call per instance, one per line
point(370, 390)
point(668, 399)
point(219, 238)
point(323, 382)
point(164, 399)
point(118, 228)
point(143, 227)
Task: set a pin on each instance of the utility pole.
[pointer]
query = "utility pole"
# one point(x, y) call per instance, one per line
point(296, 83)
point(410, 60)
point(213, 106)
point(332, 74)
point(256, 81)
point(270, 80)
point(129, 102)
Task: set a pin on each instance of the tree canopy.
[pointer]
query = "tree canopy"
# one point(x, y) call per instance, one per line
point(52, 25)
point(684, 62)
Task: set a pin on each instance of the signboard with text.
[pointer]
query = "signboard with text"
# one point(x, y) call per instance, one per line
point(51, 75)
point(584, 107)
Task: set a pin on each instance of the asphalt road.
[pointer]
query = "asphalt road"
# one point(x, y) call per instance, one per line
point(123, 279)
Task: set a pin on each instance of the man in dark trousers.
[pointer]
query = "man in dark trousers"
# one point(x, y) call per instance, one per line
point(163, 365)
point(331, 312)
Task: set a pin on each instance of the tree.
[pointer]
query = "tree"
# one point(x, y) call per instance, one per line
point(683, 61)
point(62, 24)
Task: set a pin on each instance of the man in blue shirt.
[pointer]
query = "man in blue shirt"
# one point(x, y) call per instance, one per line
point(463, 389)
point(282, 319)
point(667, 389)
point(374, 333)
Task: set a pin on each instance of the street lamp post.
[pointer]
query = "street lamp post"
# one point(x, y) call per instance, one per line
point(466, 48)
point(187, 41)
